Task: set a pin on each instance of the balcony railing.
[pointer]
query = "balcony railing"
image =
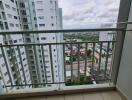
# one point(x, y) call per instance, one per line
point(70, 58)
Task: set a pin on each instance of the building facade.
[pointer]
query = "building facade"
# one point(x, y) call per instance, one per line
point(14, 65)
point(43, 66)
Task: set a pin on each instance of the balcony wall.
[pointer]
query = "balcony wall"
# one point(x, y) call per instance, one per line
point(124, 81)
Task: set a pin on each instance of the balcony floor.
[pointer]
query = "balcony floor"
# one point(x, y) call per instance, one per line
point(109, 95)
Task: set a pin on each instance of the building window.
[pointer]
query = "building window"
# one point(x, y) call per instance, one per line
point(32, 62)
point(23, 12)
point(5, 73)
point(7, 6)
point(6, 25)
point(3, 65)
point(37, 38)
point(24, 59)
point(51, 2)
point(17, 25)
point(15, 41)
point(1, 55)
point(25, 20)
point(41, 25)
point(15, 17)
point(36, 25)
point(22, 53)
point(1, 25)
point(11, 24)
point(26, 27)
point(25, 65)
point(33, 67)
point(34, 72)
point(9, 15)
point(33, 3)
point(41, 17)
point(12, 0)
point(31, 57)
point(40, 56)
point(41, 66)
point(40, 61)
point(39, 2)
point(34, 18)
point(40, 10)
point(8, 81)
point(46, 61)
point(43, 38)
point(45, 55)
point(54, 50)
point(52, 17)
point(22, 5)
point(52, 24)
point(14, 8)
point(28, 40)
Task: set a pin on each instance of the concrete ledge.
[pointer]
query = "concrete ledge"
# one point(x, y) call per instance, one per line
point(69, 90)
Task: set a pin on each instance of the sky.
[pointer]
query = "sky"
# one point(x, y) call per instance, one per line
point(88, 13)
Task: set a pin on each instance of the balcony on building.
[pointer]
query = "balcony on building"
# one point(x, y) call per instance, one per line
point(92, 70)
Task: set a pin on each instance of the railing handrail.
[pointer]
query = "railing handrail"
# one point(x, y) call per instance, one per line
point(27, 44)
point(62, 31)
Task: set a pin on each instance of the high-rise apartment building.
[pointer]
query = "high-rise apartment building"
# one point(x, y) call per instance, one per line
point(43, 15)
point(36, 15)
point(13, 61)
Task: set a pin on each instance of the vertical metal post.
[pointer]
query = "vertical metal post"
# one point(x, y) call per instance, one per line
point(51, 61)
point(71, 61)
point(86, 47)
point(78, 62)
point(38, 76)
point(19, 53)
point(42, 48)
point(7, 67)
point(93, 56)
point(64, 62)
point(100, 55)
point(107, 55)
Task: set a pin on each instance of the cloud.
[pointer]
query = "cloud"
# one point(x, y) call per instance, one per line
point(88, 13)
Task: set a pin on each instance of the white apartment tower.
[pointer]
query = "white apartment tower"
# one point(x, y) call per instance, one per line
point(17, 15)
point(14, 68)
point(43, 15)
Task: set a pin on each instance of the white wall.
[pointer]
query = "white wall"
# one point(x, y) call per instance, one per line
point(124, 82)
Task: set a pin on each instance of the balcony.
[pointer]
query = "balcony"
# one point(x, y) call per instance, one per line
point(87, 66)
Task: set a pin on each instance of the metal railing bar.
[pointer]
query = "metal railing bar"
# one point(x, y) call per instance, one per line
point(19, 53)
point(14, 60)
point(100, 55)
point(27, 44)
point(93, 56)
point(4, 57)
point(63, 31)
point(78, 56)
point(86, 47)
point(64, 62)
point(42, 48)
point(107, 54)
point(51, 62)
point(52, 83)
point(36, 62)
point(71, 61)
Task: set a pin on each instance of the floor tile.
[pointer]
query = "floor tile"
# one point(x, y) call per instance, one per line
point(92, 96)
point(55, 97)
point(112, 95)
point(74, 97)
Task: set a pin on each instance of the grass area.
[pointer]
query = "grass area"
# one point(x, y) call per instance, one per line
point(83, 38)
point(83, 80)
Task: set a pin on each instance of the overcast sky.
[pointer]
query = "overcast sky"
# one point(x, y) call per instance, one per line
point(88, 13)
